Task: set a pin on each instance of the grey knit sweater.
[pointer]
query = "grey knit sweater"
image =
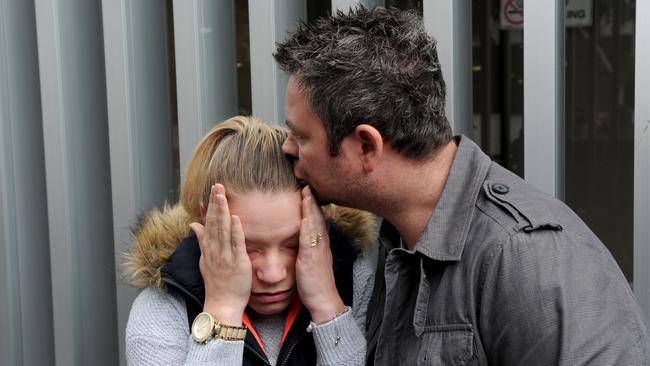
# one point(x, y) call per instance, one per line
point(157, 331)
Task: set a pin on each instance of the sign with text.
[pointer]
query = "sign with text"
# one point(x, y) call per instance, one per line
point(579, 13)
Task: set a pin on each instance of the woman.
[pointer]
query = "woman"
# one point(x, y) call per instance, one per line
point(260, 279)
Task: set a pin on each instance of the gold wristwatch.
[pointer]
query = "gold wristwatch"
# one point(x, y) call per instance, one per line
point(205, 326)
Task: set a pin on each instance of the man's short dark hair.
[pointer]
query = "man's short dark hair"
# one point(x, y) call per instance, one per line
point(378, 67)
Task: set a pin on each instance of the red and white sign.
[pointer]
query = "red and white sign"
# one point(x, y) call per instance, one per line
point(579, 13)
point(512, 13)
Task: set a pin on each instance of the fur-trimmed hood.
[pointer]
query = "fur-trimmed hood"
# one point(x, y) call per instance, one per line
point(158, 232)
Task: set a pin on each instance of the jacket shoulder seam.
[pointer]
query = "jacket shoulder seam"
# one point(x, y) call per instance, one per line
point(509, 232)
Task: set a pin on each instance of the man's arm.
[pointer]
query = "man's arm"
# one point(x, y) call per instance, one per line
point(557, 298)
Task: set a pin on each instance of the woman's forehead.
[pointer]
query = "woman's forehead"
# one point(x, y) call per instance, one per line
point(268, 217)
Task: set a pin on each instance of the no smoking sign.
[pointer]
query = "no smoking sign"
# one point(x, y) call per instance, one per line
point(512, 14)
point(579, 13)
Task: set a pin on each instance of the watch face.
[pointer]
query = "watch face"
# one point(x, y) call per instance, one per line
point(202, 327)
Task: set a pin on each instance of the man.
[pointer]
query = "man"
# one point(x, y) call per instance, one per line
point(480, 267)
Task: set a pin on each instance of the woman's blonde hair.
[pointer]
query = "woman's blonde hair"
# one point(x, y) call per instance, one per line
point(243, 154)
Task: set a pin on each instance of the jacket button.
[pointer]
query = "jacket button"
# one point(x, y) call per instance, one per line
point(500, 188)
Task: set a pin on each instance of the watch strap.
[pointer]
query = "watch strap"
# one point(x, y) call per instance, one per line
point(230, 332)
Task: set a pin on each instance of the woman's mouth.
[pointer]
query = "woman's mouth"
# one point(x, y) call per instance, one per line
point(272, 297)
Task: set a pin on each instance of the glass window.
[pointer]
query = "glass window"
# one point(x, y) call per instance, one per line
point(599, 107)
point(405, 5)
point(243, 55)
point(498, 84)
point(600, 125)
point(318, 8)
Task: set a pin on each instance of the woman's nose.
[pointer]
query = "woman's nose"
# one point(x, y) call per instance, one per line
point(272, 271)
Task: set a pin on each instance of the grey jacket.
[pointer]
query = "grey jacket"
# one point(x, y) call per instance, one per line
point(502, 275)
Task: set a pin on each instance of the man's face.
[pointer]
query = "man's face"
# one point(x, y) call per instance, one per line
point(308, 145)
point(271, 223)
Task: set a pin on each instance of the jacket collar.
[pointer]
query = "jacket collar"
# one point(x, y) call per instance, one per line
point(446, 232)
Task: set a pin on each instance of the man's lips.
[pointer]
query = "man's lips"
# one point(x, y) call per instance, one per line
point(271, 297)
point(300, 179)
point(296, 173)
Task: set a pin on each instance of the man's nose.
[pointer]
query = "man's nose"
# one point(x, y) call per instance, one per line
point(290, 148)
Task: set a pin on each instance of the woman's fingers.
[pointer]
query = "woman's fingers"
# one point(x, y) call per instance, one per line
point(307, 229)
point(314, 212)
point(217, 222)
point(313, 221)
point(223, 220)
point(314, 274)
point(227, 276)
point(305, 233)
point(238, 240)
point(211, 215)
point(306, 194)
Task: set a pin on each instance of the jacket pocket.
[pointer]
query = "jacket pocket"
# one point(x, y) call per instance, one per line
point(449, 344)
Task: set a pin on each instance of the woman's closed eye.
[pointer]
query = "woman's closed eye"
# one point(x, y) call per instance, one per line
point(253, 250)
point(290, 246)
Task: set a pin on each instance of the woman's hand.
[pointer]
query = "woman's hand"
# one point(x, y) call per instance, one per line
point(224, 263)
point(314, 272)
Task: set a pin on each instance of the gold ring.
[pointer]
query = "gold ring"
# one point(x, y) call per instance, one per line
point(315, 240)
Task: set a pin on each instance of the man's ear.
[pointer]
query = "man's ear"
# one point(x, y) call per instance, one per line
point(372, 146)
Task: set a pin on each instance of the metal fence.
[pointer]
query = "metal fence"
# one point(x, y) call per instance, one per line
point(101, 103)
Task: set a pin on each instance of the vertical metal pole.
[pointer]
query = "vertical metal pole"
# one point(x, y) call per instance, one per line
point(139, 123)
point(450, 24)
point(642, 157)
point(269, 22)
point(75, 131)
point(544, 95)
point(206, 76)
point(25, 292)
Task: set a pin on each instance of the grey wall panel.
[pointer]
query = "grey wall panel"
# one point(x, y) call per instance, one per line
point(450, 24)
point(206, 77)
point(642, 157)
point(25, 295)
point(11, 332)
point(73, 96)
point(544, 95)
point(269, 22)
point(138, 96)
